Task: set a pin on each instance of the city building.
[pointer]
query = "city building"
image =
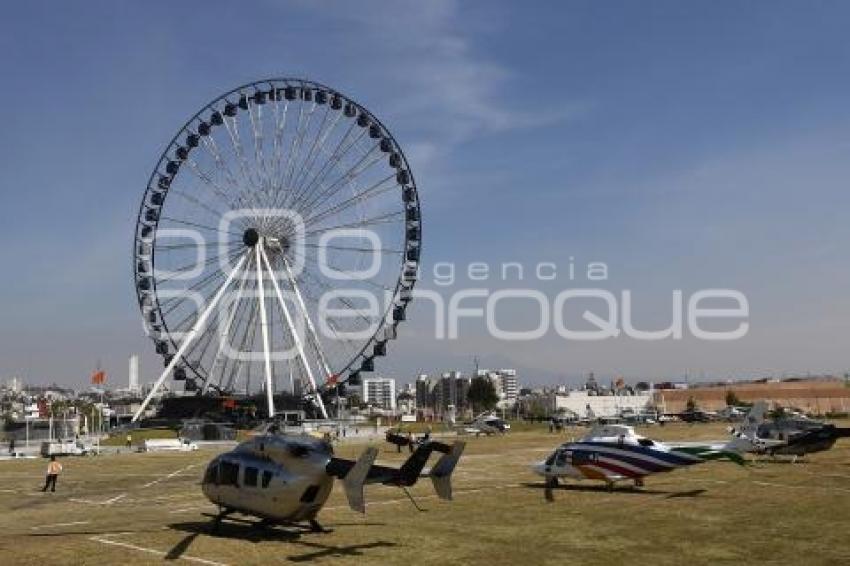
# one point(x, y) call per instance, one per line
point(505, 382)
point(133, 382)
point(406, 400)
point(379, 392)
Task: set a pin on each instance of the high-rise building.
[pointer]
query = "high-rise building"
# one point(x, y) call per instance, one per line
point(505, 382)
point(133, 382)
point(424, 392)
point(380, 392)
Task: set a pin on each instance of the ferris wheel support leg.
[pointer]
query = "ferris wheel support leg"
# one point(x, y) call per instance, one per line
point(264, 326)
point(202, 320)
point(310, 328)
point(299, 346)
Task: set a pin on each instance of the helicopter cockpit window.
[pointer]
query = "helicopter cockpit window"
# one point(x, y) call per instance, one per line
point(251, 475)
point(267, 478)
point(211, 475)
point(562, 457)
point(228, 473)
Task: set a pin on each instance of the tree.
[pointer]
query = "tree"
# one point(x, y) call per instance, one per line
point(482, 394)
point(732, 399)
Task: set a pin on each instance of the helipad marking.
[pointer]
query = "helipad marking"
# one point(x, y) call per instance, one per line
point(169, 476)
point(806, 487)
point(105, 502)
point(104, 540)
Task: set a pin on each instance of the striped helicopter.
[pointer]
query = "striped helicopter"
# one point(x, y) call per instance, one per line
point(615, 453)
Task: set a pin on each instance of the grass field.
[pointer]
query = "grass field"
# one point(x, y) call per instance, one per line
point(146, 508)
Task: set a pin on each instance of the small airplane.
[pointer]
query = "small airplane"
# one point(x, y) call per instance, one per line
point(486, 423)
point(286, 479)
point(613, 453)
point(787, 436)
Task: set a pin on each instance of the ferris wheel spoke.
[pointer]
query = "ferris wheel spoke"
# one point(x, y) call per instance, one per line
point(317, 140)
point(339, 151)
point(289, 153)
point(371, 221)
point(206, 339)
point(280, 127)
point(199, 225)
point(209, 143)
point(360, 314)
point(319, 183)
point(350, 349)
point(388, 251)
point(310, 328)
point(311, 262)
point(232, 127)
point(243, 321)
point(224, 334)
point(207, 179)
point(257, 130)
point(177, 272)
point(300, 142)
point(216, 213)
point(375, 190)
point(359, 167)
point(172, 247)
point(177, 300)
point(249, 329)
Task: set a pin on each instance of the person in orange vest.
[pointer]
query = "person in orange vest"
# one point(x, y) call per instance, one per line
point(54, 468)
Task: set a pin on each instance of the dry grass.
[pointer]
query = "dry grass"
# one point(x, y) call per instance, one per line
point(109, 511)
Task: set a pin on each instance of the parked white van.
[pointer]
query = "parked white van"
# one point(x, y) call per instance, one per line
point(169, 445)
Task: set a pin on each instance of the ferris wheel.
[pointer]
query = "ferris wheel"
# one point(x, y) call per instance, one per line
point(277, 244)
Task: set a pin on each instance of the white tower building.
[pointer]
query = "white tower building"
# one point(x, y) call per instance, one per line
point(133, 384)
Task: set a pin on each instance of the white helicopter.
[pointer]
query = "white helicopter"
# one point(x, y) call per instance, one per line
point(286, 479)
point(487, 424)
point(614, 453)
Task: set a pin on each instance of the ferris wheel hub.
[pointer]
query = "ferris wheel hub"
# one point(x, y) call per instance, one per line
point(251, 237)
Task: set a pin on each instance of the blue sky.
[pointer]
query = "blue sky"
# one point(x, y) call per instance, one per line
point(686, 145)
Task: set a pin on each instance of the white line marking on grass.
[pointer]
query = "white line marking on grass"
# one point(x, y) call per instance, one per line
point(806, 487)
point(60, 525)
point(92, 502)
point(169, 476)
point(104, 540)
point(187, 509)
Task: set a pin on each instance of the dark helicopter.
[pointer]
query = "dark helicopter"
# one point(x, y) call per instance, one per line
point(787, 435)
point(286, 479)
